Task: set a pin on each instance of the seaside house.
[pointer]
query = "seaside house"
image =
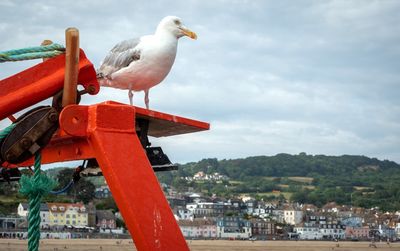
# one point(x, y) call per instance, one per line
point(198, 228)
point(67, 214)
point(233, 228)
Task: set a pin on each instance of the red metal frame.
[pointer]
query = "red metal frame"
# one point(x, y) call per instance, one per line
point(40, 82)
point(107, 132)
point(110, 131)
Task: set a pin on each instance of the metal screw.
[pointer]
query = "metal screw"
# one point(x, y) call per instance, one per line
point(26, 142)
point(53, 117)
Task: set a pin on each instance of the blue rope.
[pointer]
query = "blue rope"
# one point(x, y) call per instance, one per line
point(64, 189)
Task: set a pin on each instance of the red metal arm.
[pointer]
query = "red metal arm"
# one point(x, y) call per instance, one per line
point(41, 82)
point(67, 148)
point(110, 131)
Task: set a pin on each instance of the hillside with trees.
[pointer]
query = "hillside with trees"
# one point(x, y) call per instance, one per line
point(316, 179)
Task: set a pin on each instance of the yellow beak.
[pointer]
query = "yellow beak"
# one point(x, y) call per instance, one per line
point(188, 33)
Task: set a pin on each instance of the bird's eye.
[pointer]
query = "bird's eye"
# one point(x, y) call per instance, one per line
point(177, 22)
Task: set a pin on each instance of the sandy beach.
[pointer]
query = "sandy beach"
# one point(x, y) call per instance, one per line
point(127, 245)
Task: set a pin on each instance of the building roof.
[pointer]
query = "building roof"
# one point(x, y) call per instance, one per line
point(43, 206)
point(105, 215)
point(330, 206)
point(63, 207)
point(196, 222)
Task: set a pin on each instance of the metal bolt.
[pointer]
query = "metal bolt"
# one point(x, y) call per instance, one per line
point(91, 89)
point(26, 143)
point(53, 117)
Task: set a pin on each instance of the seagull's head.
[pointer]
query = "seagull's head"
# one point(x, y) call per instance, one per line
point(175, 26)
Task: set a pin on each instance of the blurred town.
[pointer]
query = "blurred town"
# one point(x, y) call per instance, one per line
point(205, 217)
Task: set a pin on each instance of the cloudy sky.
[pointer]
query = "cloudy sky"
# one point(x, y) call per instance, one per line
point(320, 77)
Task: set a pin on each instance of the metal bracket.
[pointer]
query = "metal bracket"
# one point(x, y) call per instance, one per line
point(158, 159)
point(142, 129)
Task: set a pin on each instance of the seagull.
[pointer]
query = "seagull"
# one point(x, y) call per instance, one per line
point(141, 63)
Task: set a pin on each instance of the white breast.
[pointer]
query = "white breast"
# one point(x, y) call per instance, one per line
point(156, 59)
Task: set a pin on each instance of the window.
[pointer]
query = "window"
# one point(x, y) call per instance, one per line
point(67, 222)
point(68, 215)
point(74, 216)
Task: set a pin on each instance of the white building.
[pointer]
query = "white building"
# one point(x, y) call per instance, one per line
point(233, 228)
point(397, 229)
point(191, 206)
point(308, 232)
point(292, 216)
point(185, 214)
point(198, 228)
point(23, 210)
point(332, 231)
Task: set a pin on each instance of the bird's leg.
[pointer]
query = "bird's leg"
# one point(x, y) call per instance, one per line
point(146, 98)
point(130, 94)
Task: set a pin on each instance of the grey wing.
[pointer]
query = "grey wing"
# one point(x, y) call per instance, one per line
point(120, 56)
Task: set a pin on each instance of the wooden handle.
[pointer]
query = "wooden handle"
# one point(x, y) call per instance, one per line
point(71, 66)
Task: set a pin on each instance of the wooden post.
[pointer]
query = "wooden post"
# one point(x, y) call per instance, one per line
point(71, 66)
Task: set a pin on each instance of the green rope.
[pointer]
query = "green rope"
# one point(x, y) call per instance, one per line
point(6, 131)
point(35, 187)
point(28, 53)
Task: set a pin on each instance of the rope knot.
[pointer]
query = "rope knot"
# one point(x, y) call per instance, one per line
point(37, 185)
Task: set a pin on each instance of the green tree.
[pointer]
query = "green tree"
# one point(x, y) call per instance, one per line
point(106, 204)
point(64, 177)
point(83, 190)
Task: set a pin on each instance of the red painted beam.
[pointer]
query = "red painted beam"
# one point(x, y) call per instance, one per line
point(110, 131)
point(67, 148)
point(40, 82)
